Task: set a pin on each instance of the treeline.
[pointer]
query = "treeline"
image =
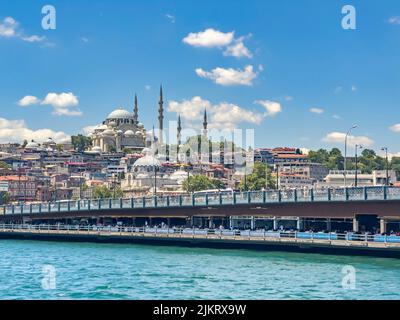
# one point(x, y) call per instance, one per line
point(367, 161)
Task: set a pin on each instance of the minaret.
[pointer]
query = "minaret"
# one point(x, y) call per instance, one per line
point(205, 122)
point(179, 129)
point(178, 137)
point(136, 112)
point(161, 116)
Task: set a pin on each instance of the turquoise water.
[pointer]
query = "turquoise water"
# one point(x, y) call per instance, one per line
point(112, 271)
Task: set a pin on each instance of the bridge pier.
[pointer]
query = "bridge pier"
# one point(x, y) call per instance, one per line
point(210, 222)
point(275, 223)
point(299, 224)
point(328, 224)
point(252, 223)
point(355, 225)
point(382, 226)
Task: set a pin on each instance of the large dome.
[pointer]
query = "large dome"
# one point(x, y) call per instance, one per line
point(120, 114)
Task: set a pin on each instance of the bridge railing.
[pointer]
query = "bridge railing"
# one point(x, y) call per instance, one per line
point(212, 199)
point(363, 239)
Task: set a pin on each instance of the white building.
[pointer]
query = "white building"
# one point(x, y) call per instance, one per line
point(335, 178)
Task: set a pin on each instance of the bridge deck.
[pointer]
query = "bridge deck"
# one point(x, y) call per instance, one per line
point(365, 194)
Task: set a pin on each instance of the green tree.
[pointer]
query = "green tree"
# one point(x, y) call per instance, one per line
point(80, 142)
point(59, 147)
point(103, 192)
point(395, 165)
point(4, 165)
point(4, 198)
point(200, 182)
point(257, 179)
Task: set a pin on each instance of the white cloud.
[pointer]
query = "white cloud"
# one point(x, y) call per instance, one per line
point(238, 49)
point(394, 20)
point(230, 77)
point(395, 127)
point(17, 131)
point(272, 108)
point(84, 39)
point(288, 98)
point(209, 38)
point(62, 103)
point(335, 116)
point(28, 100)
point(147, 87)
point(190, 109)
point(170, 17)
point(228, 115)
point(33, 38)
point(353, 88)
point(317, 110)
point(339, 138)
point(220, 116)
point(9, 28)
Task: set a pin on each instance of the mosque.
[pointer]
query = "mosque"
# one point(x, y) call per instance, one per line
point(122, 130)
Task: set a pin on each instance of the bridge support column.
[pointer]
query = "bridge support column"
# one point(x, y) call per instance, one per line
point(230, 223)
point(382, 226)
point(191, 221)
point(299, 224)
point(328, 224)
point(210, 223)
point(275, 223)
point(168, 222)
point(355, 225)
point(252, 223)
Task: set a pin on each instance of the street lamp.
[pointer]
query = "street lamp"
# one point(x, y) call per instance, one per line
point(356, 173)
point(387, 165)
point(345, 154)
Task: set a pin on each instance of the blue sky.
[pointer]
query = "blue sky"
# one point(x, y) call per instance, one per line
point(103, 52)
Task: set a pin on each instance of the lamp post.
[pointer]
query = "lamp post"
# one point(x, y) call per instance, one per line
point(387, 164)
point(356, 173)
point(345, 154)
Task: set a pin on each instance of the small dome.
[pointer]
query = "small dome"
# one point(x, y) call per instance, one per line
point(129, 133)
point(108, 132)
point(32, 145)
point(180, 176)
point(50, 141)
point(140, 125)
point(120, 114)
point(96, 149)
point(147, 161)
point(138, 133)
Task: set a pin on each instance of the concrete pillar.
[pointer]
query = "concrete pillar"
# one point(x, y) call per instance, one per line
point(168, 222)
point(299, 224)
point(275, 223)
point(382, 226)
point(210, 223)
point(328, 224)
point(230, 223)
point(252, 223)
point(355, 225)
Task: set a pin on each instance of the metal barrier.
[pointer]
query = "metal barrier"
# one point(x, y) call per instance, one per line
point(224, 234)
point(189, 200)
